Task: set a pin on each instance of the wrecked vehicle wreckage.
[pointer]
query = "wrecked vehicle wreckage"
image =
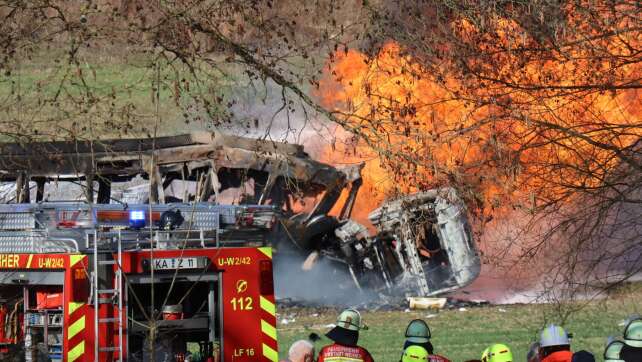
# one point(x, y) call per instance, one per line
point(422, 245)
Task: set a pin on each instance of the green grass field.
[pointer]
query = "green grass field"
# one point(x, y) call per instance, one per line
point(462, 335)
point(109, 93)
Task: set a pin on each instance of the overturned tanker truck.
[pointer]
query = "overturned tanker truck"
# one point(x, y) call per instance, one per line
point(422, 245)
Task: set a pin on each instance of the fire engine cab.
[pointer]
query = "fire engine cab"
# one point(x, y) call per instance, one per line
point(86, 276)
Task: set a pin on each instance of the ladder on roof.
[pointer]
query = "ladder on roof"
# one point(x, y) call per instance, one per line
point(112, 296)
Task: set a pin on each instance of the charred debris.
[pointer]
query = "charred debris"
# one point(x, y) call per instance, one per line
point(422, 245)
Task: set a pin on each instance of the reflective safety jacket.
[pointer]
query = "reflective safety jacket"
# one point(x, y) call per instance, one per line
point(559, 356)
point(339, 353)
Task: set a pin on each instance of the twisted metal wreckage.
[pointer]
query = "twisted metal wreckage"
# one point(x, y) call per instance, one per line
point(423, 243)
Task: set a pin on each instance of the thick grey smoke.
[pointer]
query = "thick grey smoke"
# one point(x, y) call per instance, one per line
point(572, 253)
point(267, 111)
point(327, 283)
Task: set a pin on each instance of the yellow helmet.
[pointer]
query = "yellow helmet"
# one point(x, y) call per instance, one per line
point(415, 354)
point(499, 353)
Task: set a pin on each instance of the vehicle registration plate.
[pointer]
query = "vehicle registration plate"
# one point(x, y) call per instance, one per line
point(175, 263)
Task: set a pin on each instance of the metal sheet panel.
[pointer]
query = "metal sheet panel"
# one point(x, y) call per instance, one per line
point(17, 221)
point(33, 242)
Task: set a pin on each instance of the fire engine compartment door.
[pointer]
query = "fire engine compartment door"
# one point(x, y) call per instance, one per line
point(48, 277)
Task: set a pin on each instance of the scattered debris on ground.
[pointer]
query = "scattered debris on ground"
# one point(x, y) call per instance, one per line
point(384, 303)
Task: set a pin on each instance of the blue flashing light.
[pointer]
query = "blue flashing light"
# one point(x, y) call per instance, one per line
point(137, 218)
point(137, 215)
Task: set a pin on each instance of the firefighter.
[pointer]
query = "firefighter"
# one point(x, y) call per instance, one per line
point(632, 349)
point(345, 336)
point(612, 352)
point(555, 345)
point(418, 334)
point(498, 353)
point(415, 353)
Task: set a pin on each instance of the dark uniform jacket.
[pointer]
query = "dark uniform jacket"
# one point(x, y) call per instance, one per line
point(631, 354)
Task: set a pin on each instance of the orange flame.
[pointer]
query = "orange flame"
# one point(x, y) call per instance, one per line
point(515, 147)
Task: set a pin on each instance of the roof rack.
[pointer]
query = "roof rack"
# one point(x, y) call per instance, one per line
point(68, 227)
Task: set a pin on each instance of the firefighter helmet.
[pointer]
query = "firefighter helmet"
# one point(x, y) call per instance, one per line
point(554, 336)
point(417, 331)
point(350, 319)
point(499, 353)
point(415, 354)
point(633, 333)
point(612, 351)
point(347, 329)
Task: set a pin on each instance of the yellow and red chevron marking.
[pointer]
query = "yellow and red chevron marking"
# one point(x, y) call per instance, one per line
point(269, 345)
point(268, 328)
point(76, 331)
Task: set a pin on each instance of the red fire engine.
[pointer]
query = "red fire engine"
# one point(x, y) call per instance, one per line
point(140, 249)
point(136, 282)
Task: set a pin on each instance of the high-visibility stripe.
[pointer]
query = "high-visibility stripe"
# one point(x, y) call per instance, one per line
point(269, 353)
point(268, 329)
point(73, 306)
point(267, 251)
point(267, 306)
point(29, 261)
point(76, 352)
point(74, 259)
point(76, 327)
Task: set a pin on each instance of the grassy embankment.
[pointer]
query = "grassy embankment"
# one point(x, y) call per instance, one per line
point(462, 335)
point(111, 90)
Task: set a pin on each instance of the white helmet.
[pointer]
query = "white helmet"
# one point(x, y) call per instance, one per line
point(554, 336)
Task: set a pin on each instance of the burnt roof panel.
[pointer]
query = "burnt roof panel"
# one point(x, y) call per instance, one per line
point(129, 157)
